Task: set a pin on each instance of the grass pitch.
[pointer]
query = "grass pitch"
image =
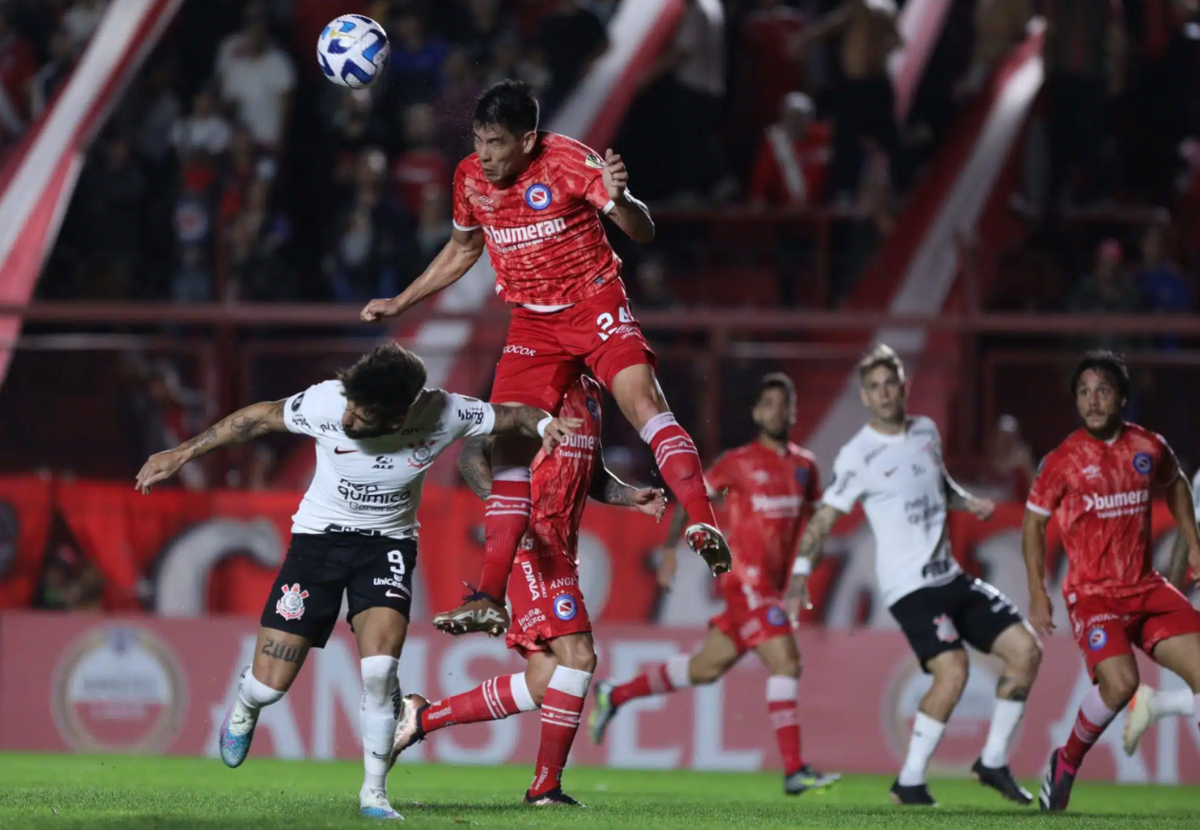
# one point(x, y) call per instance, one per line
point(67, 792)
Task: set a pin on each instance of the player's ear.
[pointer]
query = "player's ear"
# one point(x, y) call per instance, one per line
point(528, 141)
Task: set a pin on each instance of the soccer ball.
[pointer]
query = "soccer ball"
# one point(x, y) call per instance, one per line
point(352, 50)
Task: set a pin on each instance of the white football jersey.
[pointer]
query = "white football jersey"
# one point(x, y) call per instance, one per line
point(1196, 493)
point(900, 481)
point(374, 484)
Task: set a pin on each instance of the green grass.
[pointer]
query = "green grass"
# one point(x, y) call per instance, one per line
point(139, 793)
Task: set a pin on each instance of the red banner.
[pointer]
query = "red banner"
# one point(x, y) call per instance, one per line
point(105, 684)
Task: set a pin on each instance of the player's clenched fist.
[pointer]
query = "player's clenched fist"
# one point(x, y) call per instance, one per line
point(616, 177)
point(379, 310)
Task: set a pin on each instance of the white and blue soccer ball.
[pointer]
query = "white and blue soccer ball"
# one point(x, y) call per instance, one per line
point(353, 50)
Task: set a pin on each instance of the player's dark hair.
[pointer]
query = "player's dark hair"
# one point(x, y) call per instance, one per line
point(775, 380)
point(1110, 363)
point(508, 104)
point(385, 381)
point(880, 355)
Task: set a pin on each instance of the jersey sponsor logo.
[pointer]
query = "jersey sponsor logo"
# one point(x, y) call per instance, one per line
point(842, 482)
point(474, 415)
point(1143, 463)
point(594, 161)
point(523, 351)
point(531, 580)
point(538, 196)
point(370, 496)
point(924, 510)
point(944, 628)
point(290, 606)
point(776, 506)
point(531, 618)
point(296, 401)
point(1097, 638)
point(565, 607)
point(300, 421)
point(510, 238)
point(389, 582)
point(340, 451)
point(593, 408)
point(562, 582)
point(776, 616)
point(383, 462)
point(579, 442)
point(1117, 504)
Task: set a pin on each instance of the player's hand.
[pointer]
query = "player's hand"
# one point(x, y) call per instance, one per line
point(615, 176)
point(1194, 564)
point(557, 430)
point(650, 500)
point(797, 599)
point(159, 467)
point(666, 568)
point(380, 309)
point(982, 509)
point(1041, 614)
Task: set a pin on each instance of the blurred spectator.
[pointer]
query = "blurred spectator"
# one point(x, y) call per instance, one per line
point(1010, 460)
point(243, 165)
point(510, 59)
point(455, 103)
point(50, 78)
point(771, 64)
point(260, 467)
point(205, 130)
point(571, 38)
point(159, 412)
point(82, 19)
point(157, 114)
point(1108, 290)
point(1085, 52)
point(434, 225)
point(192, 281)
point(256, 241)
point(790, 168)
point(17, 69)
point(69, 582)
point(1162, 283)
point(651, 287)
point(112, 195)
point(479, 27)
point(358, 266)
point(870, 227)
point(257, 78)
point(421, 164)
point(866, 100)
point(416, 59)
point(999, 26)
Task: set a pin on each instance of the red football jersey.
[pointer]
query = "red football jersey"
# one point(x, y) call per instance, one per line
point(560, 482)
point(1101, 494)
point(544, 234)
point(769, 494)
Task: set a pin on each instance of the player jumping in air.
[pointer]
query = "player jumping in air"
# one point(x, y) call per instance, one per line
point(1151, 705)
point(771, 485)
point(894, 467)
point(377, 432)
point(535, 199)
point(551, 630)
point(1099, 483)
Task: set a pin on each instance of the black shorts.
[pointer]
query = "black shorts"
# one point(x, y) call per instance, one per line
point(939, 619)
point(373, 571)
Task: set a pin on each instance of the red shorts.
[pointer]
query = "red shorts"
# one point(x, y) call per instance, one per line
point(750, 618)
point(1107, 627)
point(546, 601)
point(546, 353)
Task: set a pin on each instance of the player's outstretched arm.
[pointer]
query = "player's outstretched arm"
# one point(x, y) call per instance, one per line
point(959, 498)
point(475, 464)
point(455, 259)
point(533, 423)
point(1033, 548)
point(608, 489)
point(243, 425)
point(629, 214)
point(1187, 545)
point(812, 544)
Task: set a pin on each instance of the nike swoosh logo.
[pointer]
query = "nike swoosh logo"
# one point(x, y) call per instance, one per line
point(398, 596)
point(387, 756)
point(340, 451)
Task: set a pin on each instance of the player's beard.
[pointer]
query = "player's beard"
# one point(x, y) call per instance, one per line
point(779, 434)
point(1106, 432)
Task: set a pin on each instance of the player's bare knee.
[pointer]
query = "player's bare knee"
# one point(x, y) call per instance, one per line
point(951, 671)
point(701, 674)
point(579, 654)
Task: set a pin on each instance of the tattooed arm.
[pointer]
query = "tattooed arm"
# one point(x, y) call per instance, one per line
point(475, 464)
point(244, 425)
point(608, 489)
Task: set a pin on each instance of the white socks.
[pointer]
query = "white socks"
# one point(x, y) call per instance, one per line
point(520, 693)
point(378, 716)
point(677, 672)
point(926, 735)
point(251, 697)
point(1005, 719)
point(1177, 703)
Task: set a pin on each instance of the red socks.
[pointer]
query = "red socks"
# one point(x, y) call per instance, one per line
point(504, 523)
point(496, 699)
point(1094, 716)
point(561, 709)
point(677, 459)
point(781, 704)
point(663, 678)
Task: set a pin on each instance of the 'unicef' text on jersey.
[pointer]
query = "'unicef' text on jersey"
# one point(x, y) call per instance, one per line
point(374, 485)
point(900, 481)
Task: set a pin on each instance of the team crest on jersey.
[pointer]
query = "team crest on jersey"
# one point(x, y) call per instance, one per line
point(760, 477)
point(776, 616)
point(291, 605)
point(593, 408)
point(803, 474)
point(538, 196)
point(1097, 638)
point(946, 632)
point(565, 607)
point(594, 161)
point(422, 453)
point(1143, 463)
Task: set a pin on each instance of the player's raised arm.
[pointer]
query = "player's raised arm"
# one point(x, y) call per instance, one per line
point(243, 425)
point(628, 213)
point(455, 259)
point(1178, 493)
point(533, 423)
point(1033, 548)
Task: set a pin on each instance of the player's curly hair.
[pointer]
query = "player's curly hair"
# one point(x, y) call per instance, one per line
point(775, 380)
point(385, 381)
point(880, 355)
point(1108, 362)
point(509, 104)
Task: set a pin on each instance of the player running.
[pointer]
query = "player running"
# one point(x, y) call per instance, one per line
point(552, 630)
point(1099, 483)
point(893, 465)
point(377, 432)
point(771, 485)
point(535, 199)
point(1150, 705)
